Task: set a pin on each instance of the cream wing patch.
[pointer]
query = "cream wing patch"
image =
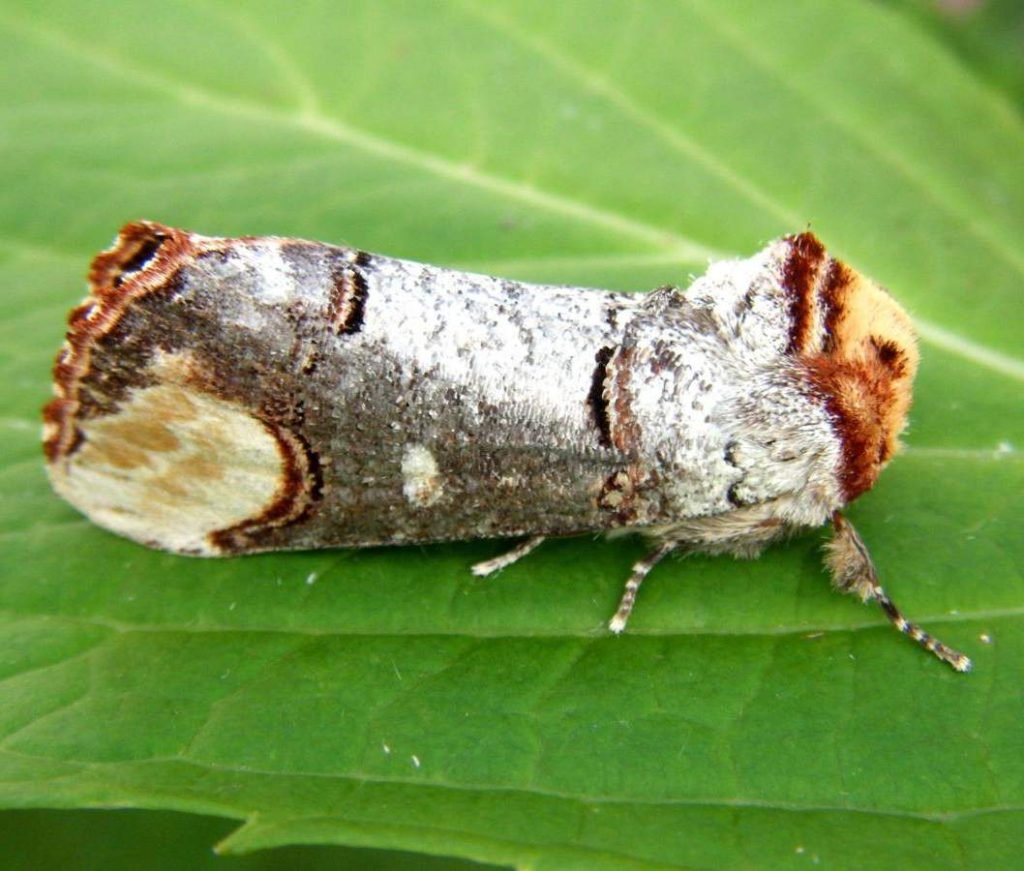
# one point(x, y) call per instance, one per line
point(171, 466)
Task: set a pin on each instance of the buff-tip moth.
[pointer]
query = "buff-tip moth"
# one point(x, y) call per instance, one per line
point(226, 396)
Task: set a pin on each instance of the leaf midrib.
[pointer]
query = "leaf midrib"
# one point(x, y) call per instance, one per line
point(598, 635)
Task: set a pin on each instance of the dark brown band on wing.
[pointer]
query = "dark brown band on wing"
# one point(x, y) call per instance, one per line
point(347, 304)
point(299, 490)
point(597, 399)
point(623, 427)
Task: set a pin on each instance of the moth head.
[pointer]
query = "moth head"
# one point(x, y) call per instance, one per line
point(860, 350)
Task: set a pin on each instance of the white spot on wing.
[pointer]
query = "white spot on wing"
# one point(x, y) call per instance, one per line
point(421, 480)
point(276, 284)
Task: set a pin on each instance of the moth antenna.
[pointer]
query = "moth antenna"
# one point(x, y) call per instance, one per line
point(854, 572)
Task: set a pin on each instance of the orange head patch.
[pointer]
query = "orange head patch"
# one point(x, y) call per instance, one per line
point(859, 349)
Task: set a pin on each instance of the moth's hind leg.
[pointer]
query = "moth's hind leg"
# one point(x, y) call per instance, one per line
point(641, 570)
point(853, 572)
point(490, 566)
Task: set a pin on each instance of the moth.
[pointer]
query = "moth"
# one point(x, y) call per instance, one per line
point(226, 396)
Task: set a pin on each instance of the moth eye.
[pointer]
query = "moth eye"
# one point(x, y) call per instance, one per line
point(140, 258)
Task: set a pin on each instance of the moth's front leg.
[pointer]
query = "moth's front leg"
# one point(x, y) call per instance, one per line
point(853, 572)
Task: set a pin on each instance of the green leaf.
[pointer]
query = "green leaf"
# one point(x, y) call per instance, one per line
point(988, 35)
point(387, 698)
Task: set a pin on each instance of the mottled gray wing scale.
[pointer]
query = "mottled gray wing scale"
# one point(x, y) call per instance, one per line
point(514, 426)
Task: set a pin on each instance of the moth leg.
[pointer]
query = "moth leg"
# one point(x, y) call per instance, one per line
point(490, 566)
point(853, 572)
point(640, 571)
